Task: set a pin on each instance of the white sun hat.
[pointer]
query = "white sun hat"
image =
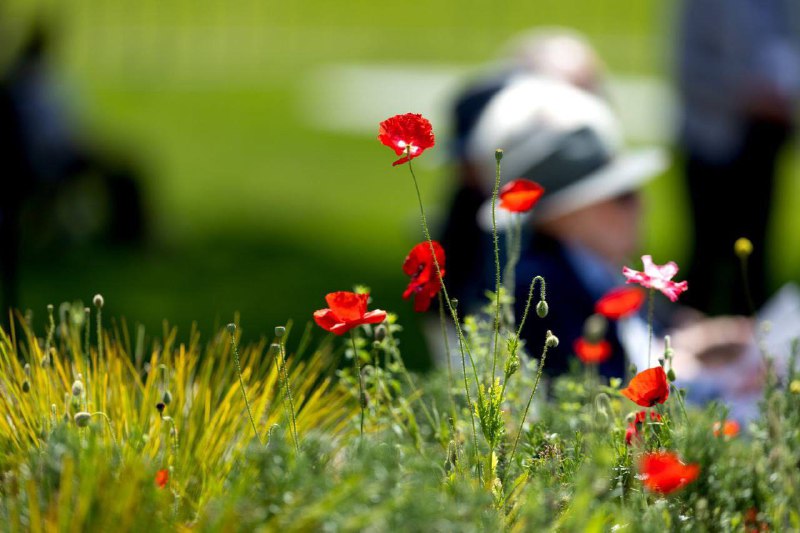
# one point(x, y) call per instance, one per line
point(561, 137)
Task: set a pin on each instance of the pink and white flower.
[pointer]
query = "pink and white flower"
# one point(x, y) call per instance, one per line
point(657, 277)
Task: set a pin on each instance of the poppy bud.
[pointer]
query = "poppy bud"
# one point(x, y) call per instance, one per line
point(542, 309)
point(498, 154)
point(26, 386)
point(743, 247)
point(167, 398)
point(231, 328)
point(380, 333)
point(280, 331)
point(671, 375)
point(551, 341)
point(98, 301)
point(77, 388)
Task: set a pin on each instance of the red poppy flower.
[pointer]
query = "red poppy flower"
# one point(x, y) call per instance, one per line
point(425, 283)
point(162, 478)
point(520, 195)
point(620, 302)
point(592, 352)
point(408, 135)
point(664, 473)
point(347, 310)
point(657, 277)
point(632, 432)
point(729, 429)
point(648, 387)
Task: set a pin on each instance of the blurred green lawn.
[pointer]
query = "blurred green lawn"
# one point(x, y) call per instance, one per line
point(254, 210)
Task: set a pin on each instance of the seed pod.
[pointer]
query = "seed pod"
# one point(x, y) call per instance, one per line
point(98, 301)
point(280, 331)
point(82, 419)
point(231, 328)
point(77, 388)
point(743, 247)
point(380, 333)
point(542, 309)
point(551, 340)
point(160, 407)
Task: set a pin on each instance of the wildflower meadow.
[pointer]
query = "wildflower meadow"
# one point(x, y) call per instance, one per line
point(320, 426)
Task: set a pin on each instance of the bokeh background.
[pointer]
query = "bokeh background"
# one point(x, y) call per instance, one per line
point(252, 125)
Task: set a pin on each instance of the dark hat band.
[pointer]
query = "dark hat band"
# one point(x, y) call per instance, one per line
point(576, 155)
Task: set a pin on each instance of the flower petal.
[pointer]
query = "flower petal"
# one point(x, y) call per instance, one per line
point(346, 305)
point(520, 195)
point(620, 302)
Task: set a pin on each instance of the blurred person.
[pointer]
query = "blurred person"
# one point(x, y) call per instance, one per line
point(587, 224)
point(739, 81)
point(586, 227)
point(557, 53)
point(43, 155)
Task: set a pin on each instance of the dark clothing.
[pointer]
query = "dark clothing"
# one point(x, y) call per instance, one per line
point(571, 301)
point(732, 199)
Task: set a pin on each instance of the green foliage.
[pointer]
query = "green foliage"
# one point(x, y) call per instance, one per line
point(418, 467)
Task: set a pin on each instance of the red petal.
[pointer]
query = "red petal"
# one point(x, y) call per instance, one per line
point(162, 478)
point(620, 302)
point(648, 387)
point(592, 353)
point(373, 317)
point(401, 131)
point(326, 319)
point(347, 306)
point(665, 473)
point(520, 195)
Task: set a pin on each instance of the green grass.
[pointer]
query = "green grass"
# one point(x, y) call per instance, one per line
point(417, 466)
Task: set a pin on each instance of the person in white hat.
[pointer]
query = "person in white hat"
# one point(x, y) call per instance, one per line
point(586, 226)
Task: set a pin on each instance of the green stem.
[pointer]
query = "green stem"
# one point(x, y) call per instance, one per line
point(528, 405)
point(470, 405)
point(443, 322)
point(110, 428)
point(496, 246)
point(285, 376)
point(462, 342)
point(542, 297)
point(746, 284)
point(361, 397)
point(88, 321)
point(650, 305)
point(241, 382)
